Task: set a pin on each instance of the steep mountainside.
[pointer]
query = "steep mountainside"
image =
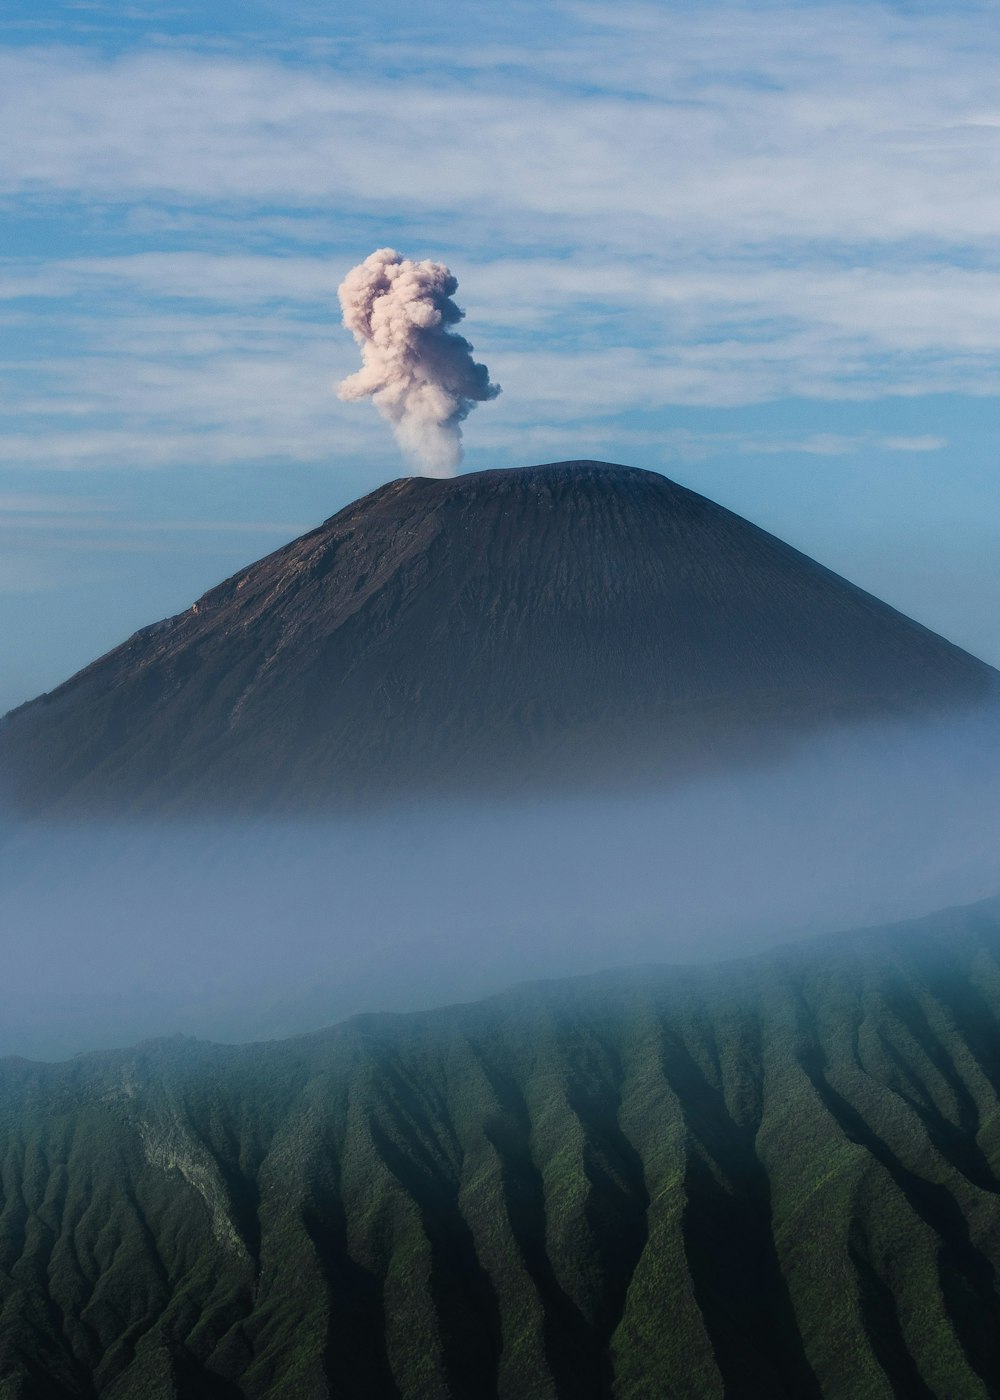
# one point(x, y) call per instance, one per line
point(773, 1179)
point(564, 625)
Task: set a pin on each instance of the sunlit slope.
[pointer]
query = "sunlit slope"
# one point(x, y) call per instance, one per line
point(574, 625)
point(773, 1178)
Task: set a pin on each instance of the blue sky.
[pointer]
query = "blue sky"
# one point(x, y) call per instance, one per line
point(756, 247)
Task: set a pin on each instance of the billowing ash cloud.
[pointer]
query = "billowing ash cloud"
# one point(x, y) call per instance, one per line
point(418, 373)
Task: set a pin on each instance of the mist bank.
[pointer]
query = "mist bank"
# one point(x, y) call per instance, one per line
point(115, 931)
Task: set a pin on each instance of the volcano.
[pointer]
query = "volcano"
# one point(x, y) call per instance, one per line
point(567, 626)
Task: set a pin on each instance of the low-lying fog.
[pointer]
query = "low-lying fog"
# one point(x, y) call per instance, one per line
point(116, 933)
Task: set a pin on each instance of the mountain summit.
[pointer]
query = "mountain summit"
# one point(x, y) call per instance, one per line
point(565, 625)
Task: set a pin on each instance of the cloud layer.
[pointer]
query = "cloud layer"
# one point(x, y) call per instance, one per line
point(714, 207)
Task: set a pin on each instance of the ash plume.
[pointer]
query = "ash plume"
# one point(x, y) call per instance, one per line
point(419, 373)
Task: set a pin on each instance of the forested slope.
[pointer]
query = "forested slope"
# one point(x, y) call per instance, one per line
point(770, 1178)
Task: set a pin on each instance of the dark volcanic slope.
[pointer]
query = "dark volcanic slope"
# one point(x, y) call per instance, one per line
point(562, 623)
point(774, 1179)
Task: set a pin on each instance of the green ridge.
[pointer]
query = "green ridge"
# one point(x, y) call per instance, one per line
point(770, 1178)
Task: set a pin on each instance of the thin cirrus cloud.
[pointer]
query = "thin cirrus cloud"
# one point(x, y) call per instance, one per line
point(896, 308)
point(839, 126)
point(244, 349)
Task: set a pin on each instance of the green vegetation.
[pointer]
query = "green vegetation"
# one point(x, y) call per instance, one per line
point(770, 1178)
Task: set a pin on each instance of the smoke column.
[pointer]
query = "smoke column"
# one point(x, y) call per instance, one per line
point(418, 373)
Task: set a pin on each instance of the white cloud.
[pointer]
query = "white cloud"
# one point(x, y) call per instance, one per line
point(924, 443)
point(840, 444)
point(214, 386)
point(841, 123)
point(35, 503)
point(252, 341)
